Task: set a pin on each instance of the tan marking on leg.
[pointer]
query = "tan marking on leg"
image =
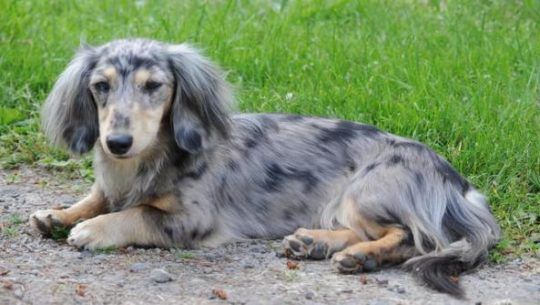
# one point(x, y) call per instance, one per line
point(167, 204)
point(318, 244)
point(133, 226)
point(44, 220)
point(118, 229)
point(367, 256)
point(366, 229)
point(341, 238)
point(379, 247)
point(91, 206)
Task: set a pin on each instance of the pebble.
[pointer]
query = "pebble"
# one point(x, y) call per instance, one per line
point(380, 302)
point(137, 267)
point(397, 288)
point(260, 249)
point(84, 254)
point(100, 258)
point(160, 276)
point(309, 295)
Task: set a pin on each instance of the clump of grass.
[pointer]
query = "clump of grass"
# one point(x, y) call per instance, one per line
point(16, 219)
point(10, 228)
point(60, 232)
point(9, 231)
point(185, 255)
point(106, 250)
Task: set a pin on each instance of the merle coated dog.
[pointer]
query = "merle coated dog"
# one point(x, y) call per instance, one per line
point(174, 167)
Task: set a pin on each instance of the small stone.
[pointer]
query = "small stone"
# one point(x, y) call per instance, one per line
point(100, 258)
point(309, 295)
point(160, 276)
point(381, 282)
point(400, 290)
point(137, 267)
point(259, 249)
point(248, 266)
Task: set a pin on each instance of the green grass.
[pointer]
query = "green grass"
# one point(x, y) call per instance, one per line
point(10, 227)
point(185, 255)
point(60, 233)
point(462, 77)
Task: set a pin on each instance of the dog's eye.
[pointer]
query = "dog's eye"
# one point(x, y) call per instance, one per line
point(151, 86)
point(102, 87)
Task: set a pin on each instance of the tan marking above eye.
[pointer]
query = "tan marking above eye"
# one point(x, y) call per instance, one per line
point(142, 76)
point(110, 73)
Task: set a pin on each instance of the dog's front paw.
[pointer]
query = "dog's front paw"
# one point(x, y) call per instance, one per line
point(43, 221)
point(93, 234)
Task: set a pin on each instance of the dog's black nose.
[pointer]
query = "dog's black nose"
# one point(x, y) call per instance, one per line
point(119, 144)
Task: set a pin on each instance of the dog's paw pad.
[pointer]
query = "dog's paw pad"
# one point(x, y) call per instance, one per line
point(303, 246)
point(43, 221)
point(351, 263)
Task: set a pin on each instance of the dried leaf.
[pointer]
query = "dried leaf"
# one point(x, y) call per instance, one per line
point(219, 293)
point(7, 284)
point(454, 279)
point(363, 279)
point(292, 265)
point(80, 290)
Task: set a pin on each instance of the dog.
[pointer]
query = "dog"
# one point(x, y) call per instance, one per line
point(175, 168)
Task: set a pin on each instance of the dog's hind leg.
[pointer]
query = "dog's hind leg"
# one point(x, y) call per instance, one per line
point(92, 205)
point(318, 244)
point(367, 256)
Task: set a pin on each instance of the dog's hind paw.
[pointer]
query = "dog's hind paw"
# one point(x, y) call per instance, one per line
point(352, 263)
point(302, 244)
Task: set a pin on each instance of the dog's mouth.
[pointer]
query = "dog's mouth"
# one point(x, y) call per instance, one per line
point(121, 157)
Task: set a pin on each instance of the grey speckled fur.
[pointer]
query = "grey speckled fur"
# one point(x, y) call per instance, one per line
point(265, 175)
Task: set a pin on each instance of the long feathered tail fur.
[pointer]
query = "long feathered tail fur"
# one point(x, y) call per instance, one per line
point(467, 216)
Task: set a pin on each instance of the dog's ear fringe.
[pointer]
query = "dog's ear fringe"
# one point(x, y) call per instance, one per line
point(69, 114)
point(203, 100)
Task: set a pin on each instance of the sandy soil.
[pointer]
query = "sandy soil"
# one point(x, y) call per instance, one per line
point(43, 271)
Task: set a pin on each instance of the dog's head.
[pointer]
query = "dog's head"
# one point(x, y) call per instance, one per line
point(126, 92)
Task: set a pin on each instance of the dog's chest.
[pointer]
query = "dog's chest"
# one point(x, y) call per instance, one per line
point(123, 183)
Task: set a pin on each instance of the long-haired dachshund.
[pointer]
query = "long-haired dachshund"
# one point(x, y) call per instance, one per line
point(173, 167)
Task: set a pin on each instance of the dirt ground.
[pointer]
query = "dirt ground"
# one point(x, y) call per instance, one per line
point(43, 271)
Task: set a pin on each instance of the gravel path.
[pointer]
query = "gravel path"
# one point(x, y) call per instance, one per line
point(39, 271)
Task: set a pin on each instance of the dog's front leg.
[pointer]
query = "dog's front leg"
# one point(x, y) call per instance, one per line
point(94, 204)
point(134, 226)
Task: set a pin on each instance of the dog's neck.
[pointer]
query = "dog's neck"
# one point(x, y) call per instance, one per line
point(129, 182)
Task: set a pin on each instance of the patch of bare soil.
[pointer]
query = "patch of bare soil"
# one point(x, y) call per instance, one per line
point(43, 271)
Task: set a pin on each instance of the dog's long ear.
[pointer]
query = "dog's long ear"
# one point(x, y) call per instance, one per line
point(200, 110)
point(69, 115)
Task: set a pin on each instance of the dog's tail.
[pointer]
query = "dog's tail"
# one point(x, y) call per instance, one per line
point(472, 230)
